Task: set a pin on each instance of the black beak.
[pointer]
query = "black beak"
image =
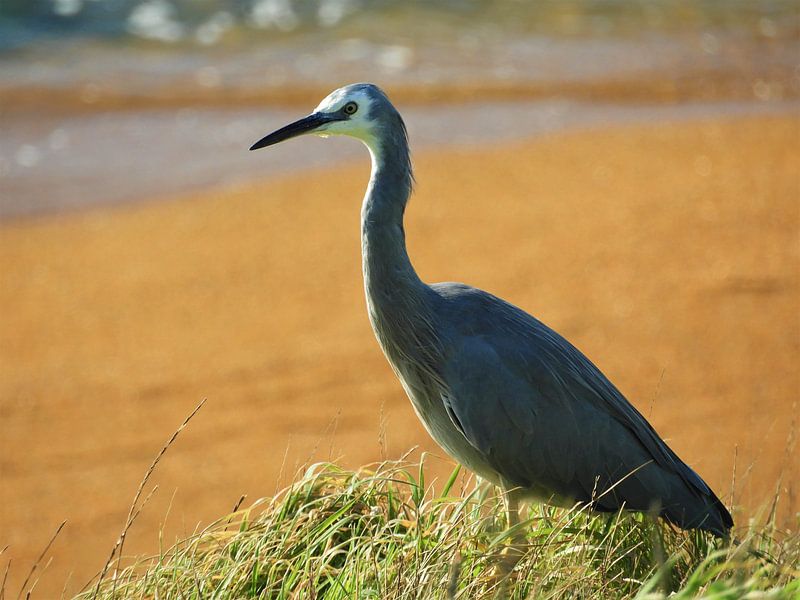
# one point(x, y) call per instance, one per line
point(304, 125)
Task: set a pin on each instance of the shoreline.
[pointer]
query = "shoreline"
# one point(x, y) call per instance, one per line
point(64, 165)
point(708, 85)
point(438, 66)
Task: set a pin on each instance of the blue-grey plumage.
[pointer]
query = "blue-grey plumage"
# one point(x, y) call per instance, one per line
point(501, 392)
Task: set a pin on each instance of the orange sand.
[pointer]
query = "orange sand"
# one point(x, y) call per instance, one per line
point(668, 253)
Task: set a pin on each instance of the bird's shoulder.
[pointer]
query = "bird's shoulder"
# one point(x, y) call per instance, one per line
point(469, 312)
point(475, 312)
point(485, 332)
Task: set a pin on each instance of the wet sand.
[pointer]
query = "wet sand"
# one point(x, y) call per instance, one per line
point(667, 252)
point(67, 163)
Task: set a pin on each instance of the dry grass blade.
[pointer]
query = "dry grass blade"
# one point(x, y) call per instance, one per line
point(133, 511)
point(5, 578)
point(38, 561)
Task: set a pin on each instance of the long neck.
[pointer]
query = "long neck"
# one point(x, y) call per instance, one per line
point(394, 291)
point(400, 305)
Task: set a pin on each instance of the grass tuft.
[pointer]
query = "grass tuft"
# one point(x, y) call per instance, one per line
point(381, 533)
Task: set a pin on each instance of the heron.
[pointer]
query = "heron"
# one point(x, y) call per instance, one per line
point(501, 392)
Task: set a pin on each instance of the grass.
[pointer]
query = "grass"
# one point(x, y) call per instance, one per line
point(382, 533)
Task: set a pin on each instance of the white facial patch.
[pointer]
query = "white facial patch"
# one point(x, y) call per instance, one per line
point(357, 125)
point(338, 98)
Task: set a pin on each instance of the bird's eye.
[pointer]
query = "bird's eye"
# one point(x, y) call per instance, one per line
point(350, 108)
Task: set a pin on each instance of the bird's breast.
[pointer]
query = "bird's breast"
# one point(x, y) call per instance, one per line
point(425, 393)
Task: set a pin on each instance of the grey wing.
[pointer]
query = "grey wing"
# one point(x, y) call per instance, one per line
point(546, 419)
point(537, 437)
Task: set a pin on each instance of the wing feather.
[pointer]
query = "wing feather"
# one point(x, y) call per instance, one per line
point(543, 415)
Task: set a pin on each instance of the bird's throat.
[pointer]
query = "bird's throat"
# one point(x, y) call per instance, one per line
point(394, 291)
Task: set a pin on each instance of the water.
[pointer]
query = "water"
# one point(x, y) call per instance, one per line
point(97, 96)
point(24, 23)
point(182, 48)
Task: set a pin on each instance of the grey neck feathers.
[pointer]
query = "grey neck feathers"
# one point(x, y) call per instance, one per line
point(400, 304)
point(397, 298)
point(387, 268)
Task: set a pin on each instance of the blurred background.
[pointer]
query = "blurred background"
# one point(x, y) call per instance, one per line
point(626, 170)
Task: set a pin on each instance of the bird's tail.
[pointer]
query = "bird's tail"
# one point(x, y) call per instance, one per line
point(706, 513)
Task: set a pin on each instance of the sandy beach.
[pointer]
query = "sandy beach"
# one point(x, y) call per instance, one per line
point(667, 252)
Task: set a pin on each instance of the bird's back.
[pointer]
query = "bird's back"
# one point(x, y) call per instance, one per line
point(547, 419)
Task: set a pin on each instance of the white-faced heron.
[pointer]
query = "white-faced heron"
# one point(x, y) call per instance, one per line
point(501, 392)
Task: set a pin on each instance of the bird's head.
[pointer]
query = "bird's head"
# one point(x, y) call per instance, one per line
point(360, 110)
